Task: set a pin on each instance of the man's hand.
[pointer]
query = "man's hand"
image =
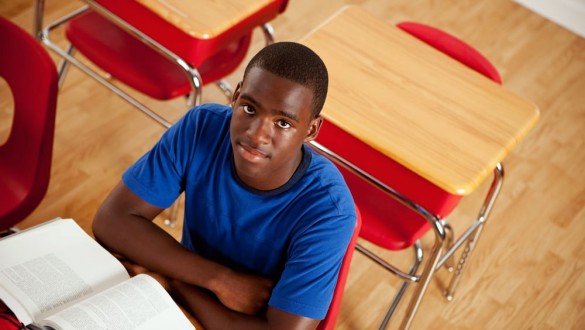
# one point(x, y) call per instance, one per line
point(240, 292)
point(243, 293)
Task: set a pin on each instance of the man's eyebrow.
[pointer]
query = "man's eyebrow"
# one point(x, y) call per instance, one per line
point(283, 113)
point(287, 115)
point(248, 97)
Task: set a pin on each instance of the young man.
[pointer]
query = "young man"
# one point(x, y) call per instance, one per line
point(267, 220)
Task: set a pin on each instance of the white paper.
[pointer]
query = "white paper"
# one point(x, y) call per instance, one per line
point(52, 266)
point(139, 303)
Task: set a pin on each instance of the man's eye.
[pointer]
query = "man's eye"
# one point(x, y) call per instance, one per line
point(248, 109)
point(283, 124)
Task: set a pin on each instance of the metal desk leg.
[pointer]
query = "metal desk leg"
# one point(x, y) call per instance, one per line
point(439, 246)
point(482, 218)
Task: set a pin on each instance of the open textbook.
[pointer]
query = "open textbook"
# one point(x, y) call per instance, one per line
point(55, 276)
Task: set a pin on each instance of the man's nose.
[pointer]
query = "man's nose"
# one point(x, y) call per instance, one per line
point(260, 131)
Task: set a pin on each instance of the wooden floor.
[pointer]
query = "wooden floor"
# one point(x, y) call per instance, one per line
point(528, 271)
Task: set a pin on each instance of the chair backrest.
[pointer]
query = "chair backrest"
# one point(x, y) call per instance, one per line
point(25, 157)
point(452, 46)
point(329, 322)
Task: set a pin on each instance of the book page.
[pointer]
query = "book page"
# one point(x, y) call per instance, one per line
point(50, 267)
point(139, 303)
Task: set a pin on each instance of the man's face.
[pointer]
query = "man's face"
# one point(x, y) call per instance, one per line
point(271, 120)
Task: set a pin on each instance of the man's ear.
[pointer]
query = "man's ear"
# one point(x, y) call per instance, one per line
point(236, 93)
point(314, 128)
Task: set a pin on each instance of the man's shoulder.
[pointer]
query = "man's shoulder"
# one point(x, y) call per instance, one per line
point(211, 109)
point(328, 182)
point(324, 168)
point(210, 115)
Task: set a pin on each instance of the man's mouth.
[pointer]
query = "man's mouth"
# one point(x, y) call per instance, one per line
point(250, 153)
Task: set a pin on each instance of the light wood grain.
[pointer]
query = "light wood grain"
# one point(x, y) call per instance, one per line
point(528, 270)
point(204, 18)
point(416, 105)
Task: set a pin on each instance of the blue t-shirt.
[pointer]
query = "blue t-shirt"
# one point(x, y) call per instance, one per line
point(296, 234)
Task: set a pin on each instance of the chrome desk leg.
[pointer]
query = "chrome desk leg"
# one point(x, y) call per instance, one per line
point(268, 32)
point(427, 274)
point(418, 257)
point(449, 264)
point(64, 66)
point(39, 6)
point(226, 88)
point(482, 218)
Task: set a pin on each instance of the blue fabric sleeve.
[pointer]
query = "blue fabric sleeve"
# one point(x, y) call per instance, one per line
point(310, 274)
point(157, 176)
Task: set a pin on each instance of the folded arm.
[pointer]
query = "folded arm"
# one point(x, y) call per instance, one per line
point(213, 315)
point(123, 224)
point(217, 296)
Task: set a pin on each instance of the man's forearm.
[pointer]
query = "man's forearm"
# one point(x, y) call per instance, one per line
point(135, 237)
point(208, 311)
point(124, 225)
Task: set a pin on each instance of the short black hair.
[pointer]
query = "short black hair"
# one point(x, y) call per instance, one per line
point(295, 62)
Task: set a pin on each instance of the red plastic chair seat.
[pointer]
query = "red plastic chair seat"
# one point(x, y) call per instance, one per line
point(25, 158)
point(14, 191)
point(386, 222)
point(139, 66)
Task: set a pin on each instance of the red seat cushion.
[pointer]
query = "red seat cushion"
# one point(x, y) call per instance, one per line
point(139, 66)
point(385, 221)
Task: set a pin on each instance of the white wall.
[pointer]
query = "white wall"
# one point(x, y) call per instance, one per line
point(569, 14)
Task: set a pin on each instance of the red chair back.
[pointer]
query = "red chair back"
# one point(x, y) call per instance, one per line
point(25, 158)
point(329, 322)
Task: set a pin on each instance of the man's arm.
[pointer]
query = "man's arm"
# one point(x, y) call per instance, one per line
point(123, 224)
point(213, 315)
